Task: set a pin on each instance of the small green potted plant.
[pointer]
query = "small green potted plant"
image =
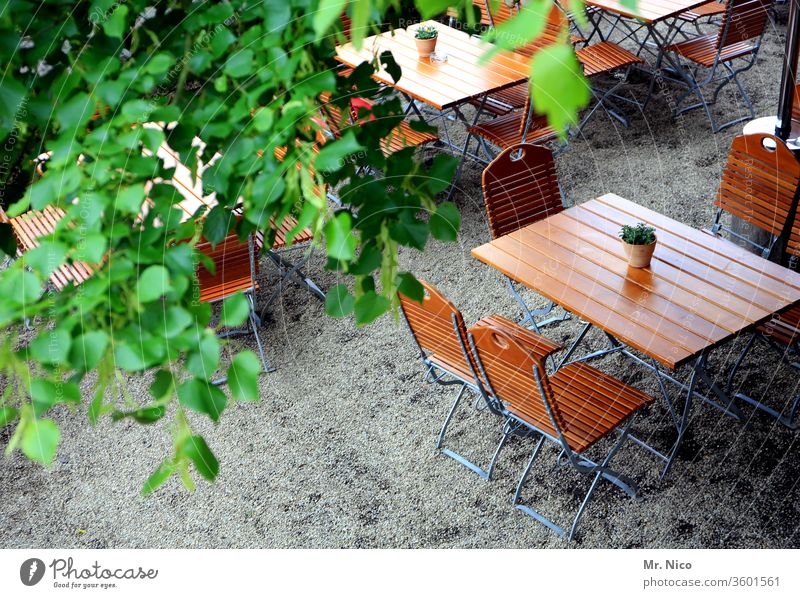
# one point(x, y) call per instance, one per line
point(639, 243)
point(426, 36)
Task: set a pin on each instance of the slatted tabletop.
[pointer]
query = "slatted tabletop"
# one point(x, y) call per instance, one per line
point(647, 11)
point(699, 291)
point(440, 84)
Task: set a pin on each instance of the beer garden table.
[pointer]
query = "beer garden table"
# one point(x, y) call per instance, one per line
point(700, 291)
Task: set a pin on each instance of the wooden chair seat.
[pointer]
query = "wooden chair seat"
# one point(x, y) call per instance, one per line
point(403, 136)
point(282, 231)
point(703, 50)
point(505, 101)
point(32, 225)
point(784, 329)
point(592, 404)
point(605, 57)
point(585, 404)
point(506, 131)
point(709, 9)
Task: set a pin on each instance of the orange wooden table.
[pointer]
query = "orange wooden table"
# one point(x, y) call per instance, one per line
point(442, 85)
point(651, 24)
point(699, 292)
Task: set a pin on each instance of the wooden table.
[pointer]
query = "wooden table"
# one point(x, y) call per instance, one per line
point(441, 85)
point(699, 292)
point(446, 85)
point(647, 15)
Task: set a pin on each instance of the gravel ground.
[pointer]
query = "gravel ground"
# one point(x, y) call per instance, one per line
point(339, 451)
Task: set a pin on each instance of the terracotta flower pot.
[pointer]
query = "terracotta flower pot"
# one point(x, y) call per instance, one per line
point(639, 256)
point(425, 47)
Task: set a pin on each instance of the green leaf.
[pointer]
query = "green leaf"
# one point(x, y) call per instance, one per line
point(339, 302)
point(114, 25)
point(20, 287)
point(433, 8)
point(339, 237)
point(92, 249)
point(332, 156)
point(45, 394)
point(12, 94)
point(559, 89)
point(87, 350)
point(162, 385)
point(153, 283)
point(42, 193)
point(203, 397)
point(369, 307)
point(243, 376)
point(204, 460)
point(445, 222)
point(162, 473)
point(144, 415)
point(235, 310)
point(204, 361)
point(40, 440)
point(441, 173)
point(240, 64)
point(7, 415)
point(409, 286)
point(264, 120)
point(160, 63)
point(129, 200)
point(75, 112)
point(327, 14)
point(46, 258)
point(132, 358)
point(217, 224)
point(51, 346)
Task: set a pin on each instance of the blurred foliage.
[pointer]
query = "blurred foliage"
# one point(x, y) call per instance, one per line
point(79, 80)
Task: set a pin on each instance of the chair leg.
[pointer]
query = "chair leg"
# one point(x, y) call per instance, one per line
point(255, 322)
point(485, 474)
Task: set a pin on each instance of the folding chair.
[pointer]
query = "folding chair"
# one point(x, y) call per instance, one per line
point(521, 187)
point(738, 39)
point(441, 336)
point(574, 408)
point(758, 185)
point(781, 334)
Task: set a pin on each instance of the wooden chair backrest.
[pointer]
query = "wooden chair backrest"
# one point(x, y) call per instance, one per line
point(759, 182)
point(520, 187)
point(431, 323)
point(233, 269)
point(507, 366)
point(743, 20)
